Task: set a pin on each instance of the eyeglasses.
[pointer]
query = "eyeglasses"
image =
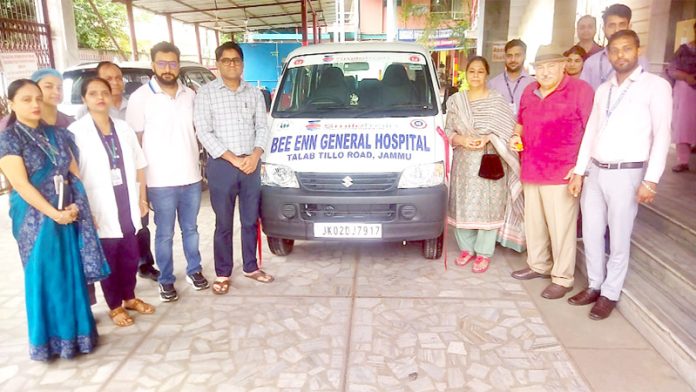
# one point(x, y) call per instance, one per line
point(237, 61)
point(165, 64)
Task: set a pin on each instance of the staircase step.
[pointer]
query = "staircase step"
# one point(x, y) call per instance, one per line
point(663, 310)
point(669, 245)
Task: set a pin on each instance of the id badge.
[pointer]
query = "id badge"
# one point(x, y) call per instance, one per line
point(116, 178)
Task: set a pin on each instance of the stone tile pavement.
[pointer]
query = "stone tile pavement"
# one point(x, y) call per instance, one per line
point(339, 317)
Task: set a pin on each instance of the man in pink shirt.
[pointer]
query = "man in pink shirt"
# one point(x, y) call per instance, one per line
point(551, 121)
point(622, 158)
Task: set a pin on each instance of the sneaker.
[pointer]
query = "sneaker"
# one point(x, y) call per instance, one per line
point(198, 281)
point(148, 272)
point(168, 292)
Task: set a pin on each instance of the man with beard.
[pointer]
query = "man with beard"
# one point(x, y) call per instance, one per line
point(161, 112)
point(514, 79)
point(622, 157)
point(597, 68)
point(230, 119)
point(551, 122)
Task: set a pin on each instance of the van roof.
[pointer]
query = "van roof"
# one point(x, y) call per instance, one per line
point(129, 64)
point(350, 47)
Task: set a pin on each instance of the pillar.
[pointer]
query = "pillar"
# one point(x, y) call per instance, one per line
point(495, 30)
point(63, 33)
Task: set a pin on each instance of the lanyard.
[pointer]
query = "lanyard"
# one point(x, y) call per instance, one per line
point(513, 91)
point(610, 108)
point(110, 146)
point(42, 142)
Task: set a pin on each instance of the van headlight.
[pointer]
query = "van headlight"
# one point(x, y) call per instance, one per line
point(422, 176)
point(278, 175)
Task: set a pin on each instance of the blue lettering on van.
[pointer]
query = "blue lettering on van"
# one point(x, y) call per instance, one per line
point(401, 141)
point(345, 141)
point(281, 144)
point(305, 142)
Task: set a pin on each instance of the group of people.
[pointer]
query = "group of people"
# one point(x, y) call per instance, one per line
point(83, 188)
point(589, 133)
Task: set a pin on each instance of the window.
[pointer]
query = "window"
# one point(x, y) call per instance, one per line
point(351, 85)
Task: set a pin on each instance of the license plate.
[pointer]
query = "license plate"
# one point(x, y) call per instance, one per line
point(348, 230)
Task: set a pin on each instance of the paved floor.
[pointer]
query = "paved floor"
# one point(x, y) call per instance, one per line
point(342, 317)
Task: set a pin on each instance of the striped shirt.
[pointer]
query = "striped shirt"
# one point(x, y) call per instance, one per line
point(229, 120)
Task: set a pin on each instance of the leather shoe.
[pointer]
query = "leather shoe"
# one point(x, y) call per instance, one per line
point(682, 167)
point(602, 308)
point(584, 297)
point(528, 273)
point(555, 291)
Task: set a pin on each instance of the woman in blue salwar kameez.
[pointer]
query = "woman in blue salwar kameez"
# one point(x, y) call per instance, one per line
point(58, 244)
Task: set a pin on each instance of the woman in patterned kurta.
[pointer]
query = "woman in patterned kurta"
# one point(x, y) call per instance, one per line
point(482, 211)
point(58, 246)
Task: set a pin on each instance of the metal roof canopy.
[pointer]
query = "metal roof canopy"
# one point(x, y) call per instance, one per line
point(240, 15)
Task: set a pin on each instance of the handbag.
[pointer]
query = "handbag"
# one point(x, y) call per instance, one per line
point(491, 166)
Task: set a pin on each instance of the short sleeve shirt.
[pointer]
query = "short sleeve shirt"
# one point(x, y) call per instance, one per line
point(168, 137)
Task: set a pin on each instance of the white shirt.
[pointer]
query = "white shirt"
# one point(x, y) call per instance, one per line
point(95, 172)
point(169, 140)
point(114, 112)
point(597, 68)
point(638, 127)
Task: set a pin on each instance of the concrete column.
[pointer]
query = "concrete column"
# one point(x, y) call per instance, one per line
point(564, 23)
point(495, 29)
point(63, 33)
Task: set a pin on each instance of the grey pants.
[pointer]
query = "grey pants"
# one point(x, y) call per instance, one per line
point(609, 198)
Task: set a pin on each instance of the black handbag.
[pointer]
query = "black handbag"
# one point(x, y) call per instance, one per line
point(491, 166)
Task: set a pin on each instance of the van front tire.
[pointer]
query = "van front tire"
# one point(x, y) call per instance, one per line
point(280, 246)
point(432, 248)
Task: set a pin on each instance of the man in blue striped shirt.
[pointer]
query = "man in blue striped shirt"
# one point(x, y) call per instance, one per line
point(230, 119)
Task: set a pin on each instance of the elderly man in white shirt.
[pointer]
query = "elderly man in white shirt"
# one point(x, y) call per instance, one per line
point(622, 157)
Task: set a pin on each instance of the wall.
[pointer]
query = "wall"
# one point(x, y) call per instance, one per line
point(372, 15)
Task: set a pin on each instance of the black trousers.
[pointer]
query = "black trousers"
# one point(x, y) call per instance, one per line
point(143, 237)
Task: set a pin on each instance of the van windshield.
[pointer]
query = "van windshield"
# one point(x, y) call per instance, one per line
point(352, 85)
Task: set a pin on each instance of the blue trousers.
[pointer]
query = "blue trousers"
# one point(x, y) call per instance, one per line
point(226, 183)
point(169, 203)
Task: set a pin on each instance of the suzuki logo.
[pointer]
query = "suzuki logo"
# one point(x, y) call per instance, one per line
point(347, 181)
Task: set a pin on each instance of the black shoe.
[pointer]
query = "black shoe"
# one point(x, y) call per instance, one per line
point(198, 281)
point(148, 272)
point(168, 292)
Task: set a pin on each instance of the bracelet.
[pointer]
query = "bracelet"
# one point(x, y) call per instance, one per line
point(648, 187)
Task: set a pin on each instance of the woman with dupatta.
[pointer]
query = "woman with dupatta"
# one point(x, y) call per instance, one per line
point(483, 211)
point(52, 224)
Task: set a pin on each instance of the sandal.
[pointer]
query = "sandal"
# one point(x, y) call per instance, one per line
point(139, 306)
point(464, 258)
point(481, 264)
point(221, 286)
point(120, 317)
point(260, 276)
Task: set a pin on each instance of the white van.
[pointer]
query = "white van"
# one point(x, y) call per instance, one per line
point(357, 148)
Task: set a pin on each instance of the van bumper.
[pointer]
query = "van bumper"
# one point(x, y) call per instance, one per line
point(405, 214)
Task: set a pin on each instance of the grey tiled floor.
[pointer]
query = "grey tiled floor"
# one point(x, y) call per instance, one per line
point(340, 317)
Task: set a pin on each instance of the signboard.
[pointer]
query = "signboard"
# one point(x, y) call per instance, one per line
point(498, 52)
point(684, 33)
point(18, 65)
